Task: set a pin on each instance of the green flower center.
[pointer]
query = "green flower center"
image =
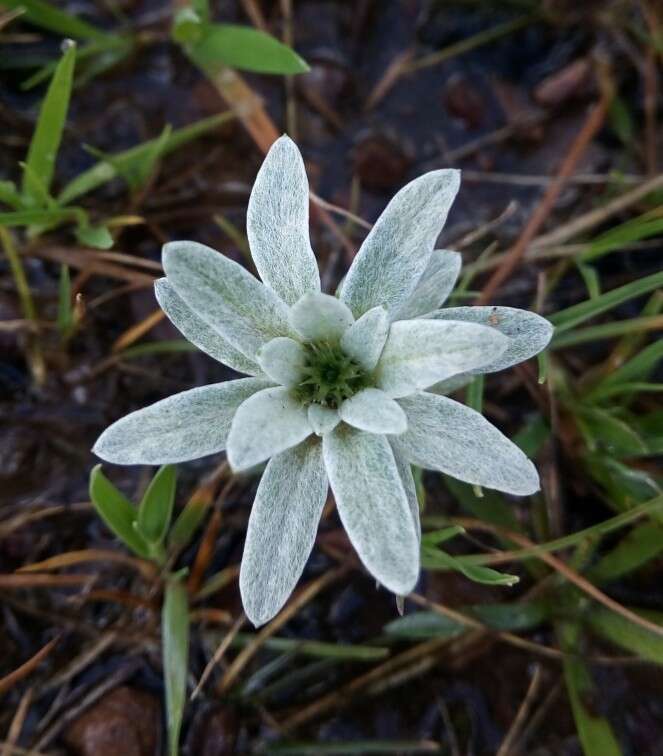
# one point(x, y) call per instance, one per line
point(330, 376)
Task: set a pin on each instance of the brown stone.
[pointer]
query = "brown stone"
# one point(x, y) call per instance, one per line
point(126, 721)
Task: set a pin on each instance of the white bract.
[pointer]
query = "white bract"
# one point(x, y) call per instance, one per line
point(344, 391)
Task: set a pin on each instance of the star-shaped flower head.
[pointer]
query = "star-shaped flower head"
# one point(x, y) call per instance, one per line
point(344, 391)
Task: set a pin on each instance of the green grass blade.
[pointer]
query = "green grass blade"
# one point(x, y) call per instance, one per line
point(608, 331)
point(9, 195)
point(620, 631)
point(65, 310)
point(175, 651)
point(43, 150)
point(354, 748)
point(103, 172)
point(316, 649)
point(638, 368)
point(565, 320)
point(596, 734)
point(31, 217)
point(186, 524)
point(98, 237)
point(116, 511)
point(626, 233)
point(46, 16)
point(244, 48)
point(502, 617)
point(653, 508)
point(436, 559)
point(642, 544)
point(156, 507)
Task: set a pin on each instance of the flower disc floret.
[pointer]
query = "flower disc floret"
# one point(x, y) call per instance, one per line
point(330, 376)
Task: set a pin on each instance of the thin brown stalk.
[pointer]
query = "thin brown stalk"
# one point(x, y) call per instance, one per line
point(522, 714)
point(593, 123)
point(17, 723)
point(8, 681)
point(300, 599)
point(219, 653)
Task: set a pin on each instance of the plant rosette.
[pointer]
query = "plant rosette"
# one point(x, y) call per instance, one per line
point(344, 391)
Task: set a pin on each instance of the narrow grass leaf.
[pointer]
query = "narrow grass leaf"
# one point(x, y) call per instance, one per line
point(186, 524)
point(175, 652)
point(103, 171)
point(47, 16)
point(620, 631)
point(65, 311)
point(98, 237)
point(46, 139)
point(565, 320)
point(156, 507)
point(436, 559)
point(642, 544)
point(596, 734)
point(116, 511)
point(247, 49)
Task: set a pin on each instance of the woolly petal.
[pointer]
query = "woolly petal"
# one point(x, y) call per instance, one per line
point(419, 353)
point(447, 436)
point(277, 224)
point(373, 411)
point(395, 253)
point(320, 316)
point(434, 286)
point(322, 419)
point(449, 385)
point(196, 330)
point(282, 527)
point(185, 426)
point(529, 332)
point(373, 506)
point(267, 423)
point(283, 360)
point(364, 340)
point(227, 297)
point(407, 479)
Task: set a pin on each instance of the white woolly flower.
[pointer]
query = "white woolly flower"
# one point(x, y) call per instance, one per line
point(344, 392)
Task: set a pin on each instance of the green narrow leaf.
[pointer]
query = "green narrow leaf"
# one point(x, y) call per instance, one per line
point(65, 310)
point(156, 507)
point(175, 652)
point(591, 279)
point(104, 171)
point(146, 165)
point(434, 559)
point(116, 511)
point(474, 394)
point(98, 237)
point(43, 150)
point(31, 217)
point(565, 320)
point(436, 537)
point(621, 121)
point(502, 617)
point(596, 734)
point(9, 194)
point(46, 16)
point(642, 544)
point(245, 48)
point(187, 523)
point(618, 237)
point(620, 631)
point(604, 430)
point(637, 368)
